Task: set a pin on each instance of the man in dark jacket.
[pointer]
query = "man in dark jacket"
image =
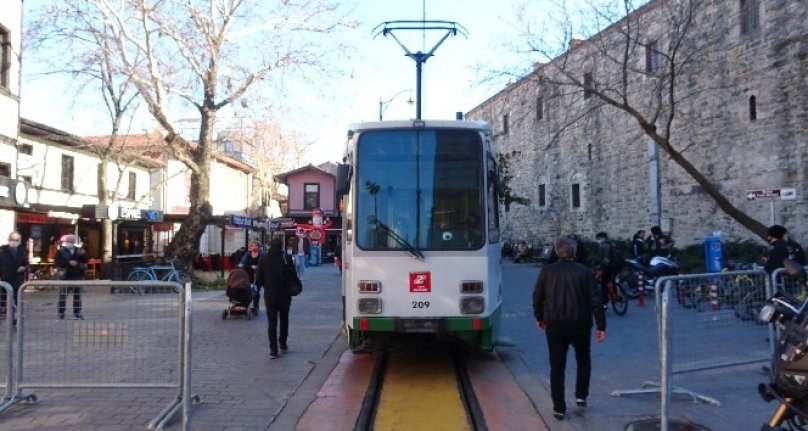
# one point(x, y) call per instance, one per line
point(782, 247)
point(565, 298)
point(272, 272)
point(73, 260)
point(13, 264)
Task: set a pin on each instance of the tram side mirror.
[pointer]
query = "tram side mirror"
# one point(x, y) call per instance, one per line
point(343, 179)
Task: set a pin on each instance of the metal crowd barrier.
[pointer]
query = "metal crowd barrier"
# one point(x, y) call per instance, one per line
point(6, 341)
point(105, 341)
point(707, 322)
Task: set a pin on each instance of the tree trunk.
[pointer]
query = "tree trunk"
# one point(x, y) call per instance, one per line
point(731, 210)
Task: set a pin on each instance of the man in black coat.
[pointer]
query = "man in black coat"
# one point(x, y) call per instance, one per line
point(565, 298)
point(13, 265)
point(782, 247)
point(73, 260)
point(272, 273)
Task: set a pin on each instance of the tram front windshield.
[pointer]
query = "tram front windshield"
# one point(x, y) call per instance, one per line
point(419, 189)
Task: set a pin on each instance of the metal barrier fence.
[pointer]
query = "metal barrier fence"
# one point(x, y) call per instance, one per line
point(706, 322)
point(6, 341)
point(77, 334)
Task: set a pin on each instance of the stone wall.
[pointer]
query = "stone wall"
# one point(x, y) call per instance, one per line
point(606, 152)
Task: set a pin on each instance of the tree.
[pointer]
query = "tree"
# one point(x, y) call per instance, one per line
point(655, 94)
point(73, 41)
point(206, 55)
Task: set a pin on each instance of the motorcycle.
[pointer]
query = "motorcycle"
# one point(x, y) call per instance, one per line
point(789, 383)
point(659, 266)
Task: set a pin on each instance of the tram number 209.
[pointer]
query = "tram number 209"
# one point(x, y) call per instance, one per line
point(420, 304)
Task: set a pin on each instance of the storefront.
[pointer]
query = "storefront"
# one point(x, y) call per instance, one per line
point(45, 229)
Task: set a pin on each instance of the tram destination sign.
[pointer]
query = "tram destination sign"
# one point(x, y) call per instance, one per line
point(786, 194)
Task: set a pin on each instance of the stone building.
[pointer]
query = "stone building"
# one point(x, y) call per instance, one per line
point(739, 115)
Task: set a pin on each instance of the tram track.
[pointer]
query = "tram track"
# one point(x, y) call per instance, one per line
point(420, 389)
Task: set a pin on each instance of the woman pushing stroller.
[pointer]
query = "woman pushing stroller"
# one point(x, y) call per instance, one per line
point(250, 262)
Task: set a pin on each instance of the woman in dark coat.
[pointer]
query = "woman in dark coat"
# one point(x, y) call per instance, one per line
point(272, 272)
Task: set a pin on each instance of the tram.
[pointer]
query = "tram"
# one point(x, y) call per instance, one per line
point(421, 237)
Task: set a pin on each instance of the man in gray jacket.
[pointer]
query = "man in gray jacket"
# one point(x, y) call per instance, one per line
point(565, 298)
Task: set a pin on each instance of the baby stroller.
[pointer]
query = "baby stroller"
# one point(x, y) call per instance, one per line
point(240, 294)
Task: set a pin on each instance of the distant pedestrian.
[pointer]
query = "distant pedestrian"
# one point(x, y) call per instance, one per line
point(658, 244)
point(272, 273)
point(607, 264)
point(300, 259)
point(13, 265)
point(564, 300)
point(250, 262)
point(782, 247)
point(638, 245)
point(72, 259)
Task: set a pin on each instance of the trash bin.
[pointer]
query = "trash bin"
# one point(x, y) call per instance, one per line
point(714, 253)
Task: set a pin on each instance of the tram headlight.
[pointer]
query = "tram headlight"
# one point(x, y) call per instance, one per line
point(369, 286)
point(472, 305)
point(471, 286)
point(369, 305)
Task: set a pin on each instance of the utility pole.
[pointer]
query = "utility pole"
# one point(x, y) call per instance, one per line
point(390, 27)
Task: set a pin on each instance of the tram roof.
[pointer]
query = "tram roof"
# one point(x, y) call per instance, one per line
point(427, 124)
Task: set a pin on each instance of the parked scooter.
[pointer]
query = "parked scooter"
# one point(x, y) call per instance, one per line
point(789, 384)
point(659, 266)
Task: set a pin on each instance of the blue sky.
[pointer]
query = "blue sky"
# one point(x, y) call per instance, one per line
point(378, 69)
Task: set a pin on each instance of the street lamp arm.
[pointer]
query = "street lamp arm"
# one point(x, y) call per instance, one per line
point(383, 104)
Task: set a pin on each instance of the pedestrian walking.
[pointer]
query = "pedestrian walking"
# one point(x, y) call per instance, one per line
point(13, 265)
point(72, 259)
point(300, 256)
point(250, 262)
point(273, 272)
point(565, 298)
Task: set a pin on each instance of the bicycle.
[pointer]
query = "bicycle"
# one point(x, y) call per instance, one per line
point(150, 273)
point(614, 294)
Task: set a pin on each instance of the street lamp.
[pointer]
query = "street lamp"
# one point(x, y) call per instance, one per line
point(384, 103)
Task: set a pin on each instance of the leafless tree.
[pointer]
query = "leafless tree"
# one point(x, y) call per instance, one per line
point(638, 62)
point(206, 55)
point(71, 40)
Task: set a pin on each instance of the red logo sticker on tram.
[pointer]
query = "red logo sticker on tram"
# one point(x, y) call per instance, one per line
point(420, 282)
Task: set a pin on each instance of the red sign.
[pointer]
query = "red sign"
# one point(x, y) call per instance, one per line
point(420, 282)
point(32, 218)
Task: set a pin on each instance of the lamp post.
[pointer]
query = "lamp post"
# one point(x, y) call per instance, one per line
point(384, 103)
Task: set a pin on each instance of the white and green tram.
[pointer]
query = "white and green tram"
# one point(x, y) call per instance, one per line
point(421, 238)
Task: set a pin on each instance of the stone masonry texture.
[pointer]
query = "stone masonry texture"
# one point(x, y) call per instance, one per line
point(719, 72)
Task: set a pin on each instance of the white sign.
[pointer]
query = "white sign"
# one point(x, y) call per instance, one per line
point(788, 194)
point(785, 194)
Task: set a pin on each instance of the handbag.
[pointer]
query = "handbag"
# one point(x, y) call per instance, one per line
point(293, 284)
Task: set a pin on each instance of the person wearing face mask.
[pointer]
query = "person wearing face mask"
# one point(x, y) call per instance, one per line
point(250, 262)
point(73, 260)
point(13, 266)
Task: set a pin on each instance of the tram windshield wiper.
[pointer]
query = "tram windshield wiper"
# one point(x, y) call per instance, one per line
point(397, 238)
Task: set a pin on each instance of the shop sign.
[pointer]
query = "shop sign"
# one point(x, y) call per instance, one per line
point(240, 221)
point(130, 214)
point(13, 191)
point(32, 218)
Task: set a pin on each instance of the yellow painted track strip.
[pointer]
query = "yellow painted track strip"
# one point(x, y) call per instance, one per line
point(420, 392)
